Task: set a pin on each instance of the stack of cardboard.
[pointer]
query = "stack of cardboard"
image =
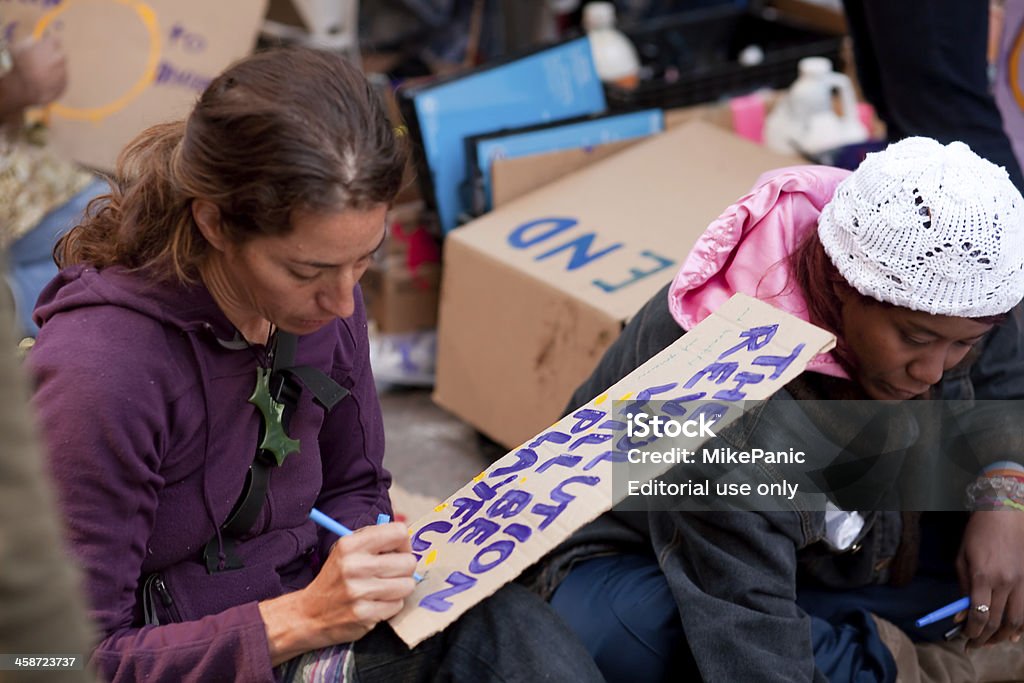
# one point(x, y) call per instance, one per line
point(534, 292)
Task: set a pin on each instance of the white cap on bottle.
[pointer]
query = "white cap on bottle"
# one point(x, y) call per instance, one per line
point(598, 15)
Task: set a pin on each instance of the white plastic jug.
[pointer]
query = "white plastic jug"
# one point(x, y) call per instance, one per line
point(615, 58)
point(803, 120)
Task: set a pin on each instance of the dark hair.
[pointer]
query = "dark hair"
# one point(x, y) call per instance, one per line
point(821, 283)
point(278, 131)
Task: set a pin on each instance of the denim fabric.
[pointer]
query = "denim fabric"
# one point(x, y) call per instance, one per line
point(623, 611)
point(512, 637)
point(934, 585)
point(849, 649)
point(31, 256)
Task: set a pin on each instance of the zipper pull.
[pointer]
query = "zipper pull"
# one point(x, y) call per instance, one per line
point(161, 590)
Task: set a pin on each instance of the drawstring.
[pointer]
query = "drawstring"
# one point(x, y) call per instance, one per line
point(210, 513)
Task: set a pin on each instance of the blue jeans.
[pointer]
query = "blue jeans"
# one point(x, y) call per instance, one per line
point(622, 609)
point(31, 264)
point(511, 637)
point(625, 614)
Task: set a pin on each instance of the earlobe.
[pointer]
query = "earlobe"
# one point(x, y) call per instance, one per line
point(207, 217)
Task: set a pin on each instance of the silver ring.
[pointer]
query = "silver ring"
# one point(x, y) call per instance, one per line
point(981, 608)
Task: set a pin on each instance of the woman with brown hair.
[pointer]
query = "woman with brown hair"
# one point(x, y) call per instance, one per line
point(204, 381)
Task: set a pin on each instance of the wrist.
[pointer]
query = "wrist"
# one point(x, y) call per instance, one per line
point(996, 490)
point(289, 631)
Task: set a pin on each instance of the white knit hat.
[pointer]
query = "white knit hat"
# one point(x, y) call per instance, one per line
point(929, 227)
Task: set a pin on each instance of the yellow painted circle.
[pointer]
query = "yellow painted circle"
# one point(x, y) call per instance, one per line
point(1014, 71)
point(148, 18)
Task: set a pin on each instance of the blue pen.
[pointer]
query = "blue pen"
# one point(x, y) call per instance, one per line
point(342, 530)
point(943, 612)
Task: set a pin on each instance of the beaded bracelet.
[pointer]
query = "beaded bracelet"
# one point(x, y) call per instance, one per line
point(992, 503)
point(986, 492)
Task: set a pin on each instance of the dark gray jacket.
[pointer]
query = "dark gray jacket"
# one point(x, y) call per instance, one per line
point(734, 574)
point(42, 609)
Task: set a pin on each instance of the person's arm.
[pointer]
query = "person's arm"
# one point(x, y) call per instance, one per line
point(990, 563)
point(43, 611)
point(105, 423)
point(38, 76)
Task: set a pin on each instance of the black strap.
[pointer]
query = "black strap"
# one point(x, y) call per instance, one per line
point(325, 390)
point(286, 383)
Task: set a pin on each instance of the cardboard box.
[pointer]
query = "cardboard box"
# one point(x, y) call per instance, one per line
point(534, 292)
point(514, 178)
point(132, 64)
point(402, 286)
point(399, 300)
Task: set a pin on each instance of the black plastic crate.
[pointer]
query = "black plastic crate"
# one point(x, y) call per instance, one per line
point(692, 57)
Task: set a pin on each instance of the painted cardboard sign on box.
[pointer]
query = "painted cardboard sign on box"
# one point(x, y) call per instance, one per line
point(534, 292)
point(131, 63)
point(513, 513)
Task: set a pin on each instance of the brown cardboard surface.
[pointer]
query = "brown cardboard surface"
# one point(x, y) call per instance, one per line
point(399, 300)
point(133, 63)
point(519, 329)
point(717, 114)
point(510, 345)
point(523, 505)
point(402, 286)
point(284, 11)
point(512, 178)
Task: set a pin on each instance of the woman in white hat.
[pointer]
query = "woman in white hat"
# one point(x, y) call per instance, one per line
point(916, 262)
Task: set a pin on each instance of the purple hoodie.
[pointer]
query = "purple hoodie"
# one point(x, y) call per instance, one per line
point(150, 436)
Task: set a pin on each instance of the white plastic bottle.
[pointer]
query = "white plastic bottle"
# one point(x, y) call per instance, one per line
point(803, 119)
point(615, 57)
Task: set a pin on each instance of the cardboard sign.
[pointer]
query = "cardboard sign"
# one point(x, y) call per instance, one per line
point(527, 502)
point(131, 63)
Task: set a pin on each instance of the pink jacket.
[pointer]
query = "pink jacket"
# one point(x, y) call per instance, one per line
point(746, 249)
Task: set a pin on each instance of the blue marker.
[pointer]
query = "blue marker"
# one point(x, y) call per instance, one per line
point(943, 612)
point(342, 530)
point(329, 524)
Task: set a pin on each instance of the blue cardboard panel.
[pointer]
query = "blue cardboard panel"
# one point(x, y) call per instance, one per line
point(571, 135)
point(555, 83)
